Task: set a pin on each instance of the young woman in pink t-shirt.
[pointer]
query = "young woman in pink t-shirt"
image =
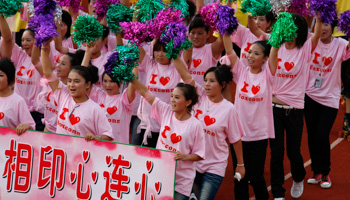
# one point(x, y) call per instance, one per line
point(253, 104)
point(78, 115)
point(220, 121)
point(322, 100)
point(180, 131)
point(13, 109)
point(288, 105)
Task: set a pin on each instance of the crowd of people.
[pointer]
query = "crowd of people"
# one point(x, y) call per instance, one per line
point(186, 105)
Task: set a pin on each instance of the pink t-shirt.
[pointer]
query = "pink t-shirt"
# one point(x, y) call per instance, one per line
point(326, 61)
point(244, 38)
point(253, 101)
point(291, 76)
point(202, 60)
point(56, 54)
point(80, 118)
point(179, 136)
point(14, 111)
point(99, 63)
point(220, 121)
point(27, 83)
point(161, 81)
point(118, 111)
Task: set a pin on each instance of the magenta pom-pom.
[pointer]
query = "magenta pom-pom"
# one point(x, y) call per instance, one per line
point(326, 8)
point(74, 4)
point(208, 14)
point(101, 7)
point(344, 23)
point(135, 31)
point(299, 6)
point(226, 22)
point(164, 17)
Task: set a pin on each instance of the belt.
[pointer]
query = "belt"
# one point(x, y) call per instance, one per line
point(287, 107)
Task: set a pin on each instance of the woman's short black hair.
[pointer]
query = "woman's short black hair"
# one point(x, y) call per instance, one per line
point(222, 73)
point(189, 93)
point(105, 73)
point(197, 22)
point(90, 73)
point(7, 66)
point(67, 19)
point(302, 31)
point(265, 47)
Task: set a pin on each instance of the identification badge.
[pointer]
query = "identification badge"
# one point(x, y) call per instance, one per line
point(318, 82)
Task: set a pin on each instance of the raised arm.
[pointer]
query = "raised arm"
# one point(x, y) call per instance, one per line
point(187, 56)
point(7, 43)
point(131, 89)
point(36, 59)
point(253, 27)
point(199, 5)
point(181, 68)
point(231, 54)
point(217, 47)
point(143, 90)
point(58, 40)
point(273, 60)
point(47, 67)
point(317, 33)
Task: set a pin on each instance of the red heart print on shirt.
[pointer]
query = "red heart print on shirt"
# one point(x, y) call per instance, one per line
point(2, 115)
point(326, 60)
point(208, 120)
point(74, 120)
point(289, 66)
point(164, 80)
point(30, 73)
point(175, 138)
point(112, 110)
point(196, 62)
point(248, 47)
point(19, 73)
point(102, 106)
point(255, 89)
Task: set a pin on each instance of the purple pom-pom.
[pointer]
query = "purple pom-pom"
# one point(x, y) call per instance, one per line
point(299, 6)
point(344, 23)
point(226, 22)
point(44, 28)
point(44, 6)
point(101, 7)
point(208, 14)
point(163, 18)
point(326, 8)
point(135, 31)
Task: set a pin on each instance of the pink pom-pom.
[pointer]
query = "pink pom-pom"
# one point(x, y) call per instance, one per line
point(135, 31)
point(208, 14)
point(101, 7)
point(299, 6)
point(163, 18)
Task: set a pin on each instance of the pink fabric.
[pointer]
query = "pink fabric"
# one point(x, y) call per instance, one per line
point(99, 63)
point(14, 111)
point(202, 60)
point(80, 118)
point(56, 54)
point(180, 136)
point(27, 78)
point(24, 13)
point(291, 76)
point(220, 121)
point(118, 111)
point(327, 58)
point(253, 101)
point(160, 80)
point(244, 39)
point(97, 93)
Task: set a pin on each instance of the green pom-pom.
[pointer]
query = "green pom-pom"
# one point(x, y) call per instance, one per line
point(181, 5)
point(256, 7)
point(172, 53)
point(148, 9)
point(118, 13)
point(87, 30)
point(284, 30)
point(10, 7)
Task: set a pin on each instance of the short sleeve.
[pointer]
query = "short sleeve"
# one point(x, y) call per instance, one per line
point(61, 92)
point(199, 140)
point(145, 64)
point(18, 55)
point(160, 109)
point(102, 126)
point(237, 70)
point(239, 35)
point(125, 101)
point(25, 117)
point(200, 91)
point(235, 128)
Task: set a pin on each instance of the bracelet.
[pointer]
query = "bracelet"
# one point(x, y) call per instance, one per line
point(240, 165)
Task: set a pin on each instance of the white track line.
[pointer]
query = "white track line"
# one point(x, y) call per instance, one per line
point(307, 163)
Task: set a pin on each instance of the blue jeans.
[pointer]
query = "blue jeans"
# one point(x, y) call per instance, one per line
point(179, 196)
point(207, 185)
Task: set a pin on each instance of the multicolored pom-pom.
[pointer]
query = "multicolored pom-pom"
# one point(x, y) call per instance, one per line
point(175, 39)
point(283, 30)
point(118, 13)
point(326, 8)
point(300, 7)
point(256, 7)
point(344, 23)
point(148, 9)
point(226, 21)
point(10, 7)
point(135, 31)
point(87, 30)
point(101, 7)
point(180, 5)
point(280, 5)
point(120, 64)
point(164, 17)
point(208, 14)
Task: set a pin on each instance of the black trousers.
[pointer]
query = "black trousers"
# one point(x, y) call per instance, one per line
point(254, 155)
point(152, 141)
point(319, 121)
point(39, 126)
point(289, 121)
